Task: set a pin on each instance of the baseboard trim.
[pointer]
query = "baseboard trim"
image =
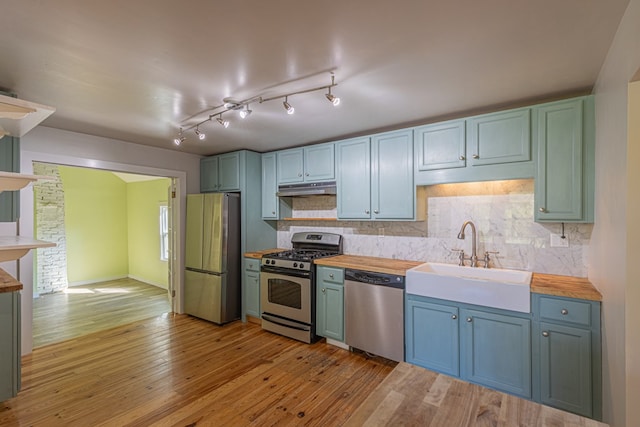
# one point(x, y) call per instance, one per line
point(148, 282)
point(92, 281)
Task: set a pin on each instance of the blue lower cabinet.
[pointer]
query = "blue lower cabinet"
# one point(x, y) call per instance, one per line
point(496, 351)
point(252, 287)
point(330, 303)
point(9, 345)
point(432, 336)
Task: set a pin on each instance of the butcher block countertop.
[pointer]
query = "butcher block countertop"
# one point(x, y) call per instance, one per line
point(549, 284)
point(260, 254)
point(411, 395)
point(8, 283)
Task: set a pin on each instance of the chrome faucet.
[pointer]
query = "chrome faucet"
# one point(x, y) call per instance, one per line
point(474, 255)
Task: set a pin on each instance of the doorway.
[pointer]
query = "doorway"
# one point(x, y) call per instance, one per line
point(113, 250)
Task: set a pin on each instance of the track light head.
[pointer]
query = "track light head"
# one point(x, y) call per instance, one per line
point(201, 136)
point(179, 139)
point(287, 106)
point(224, 123)
point(245, 113)
point(332, 98)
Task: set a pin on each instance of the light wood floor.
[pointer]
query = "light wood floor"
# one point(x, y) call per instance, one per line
point(85, 309)
point(176, 370)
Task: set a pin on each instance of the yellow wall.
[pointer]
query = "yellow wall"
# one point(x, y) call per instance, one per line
point(143, 208)
point(96, 225)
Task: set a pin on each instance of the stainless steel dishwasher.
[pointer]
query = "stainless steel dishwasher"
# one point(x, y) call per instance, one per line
point(374, 313)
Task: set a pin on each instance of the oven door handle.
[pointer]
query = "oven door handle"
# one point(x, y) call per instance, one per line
point(285, 323)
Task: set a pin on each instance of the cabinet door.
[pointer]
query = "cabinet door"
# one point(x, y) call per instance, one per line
point(440, 146)
point(432, 336)
point(499, 138)
point(354, 179)
point(252, 293)
point(290, 166)
point(319, 162)
point(330, 311)
point(209, 174)
point(565, 368)
point(9, 162)
point(10, 348)
point(392, 189)
point(229, 172)
point(269, 187)
point(559, 176)
point(496, 351)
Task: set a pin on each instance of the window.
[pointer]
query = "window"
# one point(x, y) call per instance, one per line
point(164, 233)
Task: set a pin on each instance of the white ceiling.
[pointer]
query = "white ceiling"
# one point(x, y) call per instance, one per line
point(137, 70)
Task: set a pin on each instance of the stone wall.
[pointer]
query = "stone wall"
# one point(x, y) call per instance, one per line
point(51, 263)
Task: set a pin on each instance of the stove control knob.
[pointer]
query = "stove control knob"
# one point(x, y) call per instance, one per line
point(301, 265)
point(295, 264)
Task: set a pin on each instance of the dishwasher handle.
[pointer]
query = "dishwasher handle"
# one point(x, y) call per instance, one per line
point(371, 278)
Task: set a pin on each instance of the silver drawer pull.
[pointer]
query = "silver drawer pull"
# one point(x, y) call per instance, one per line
point(475, 156)
point(545, 333)
point(454, 317)
point(461, 158)
point(469, 319)
point(564, 311)
point(331, 275)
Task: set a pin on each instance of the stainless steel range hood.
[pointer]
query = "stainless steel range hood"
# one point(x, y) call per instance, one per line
point(307, 189)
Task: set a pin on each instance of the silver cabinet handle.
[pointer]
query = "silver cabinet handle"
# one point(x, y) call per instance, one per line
point(542, 210)
point(331, 275)
point(475, 156)
point(469, 319)
point(461, 158)
point(366, 211)
point(299, 174)
point(306, 174)
point(564, 311)
point(376, 211)
point(273, 212)
point(324, 290)
point(454, 317)
point(545, 333)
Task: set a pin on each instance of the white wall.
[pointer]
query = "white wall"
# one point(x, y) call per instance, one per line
point(608, 258)
point(50, 145)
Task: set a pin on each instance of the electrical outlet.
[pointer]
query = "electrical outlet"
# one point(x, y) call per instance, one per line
point(558, 242)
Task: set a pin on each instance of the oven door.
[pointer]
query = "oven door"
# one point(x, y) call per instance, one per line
point(286, 296)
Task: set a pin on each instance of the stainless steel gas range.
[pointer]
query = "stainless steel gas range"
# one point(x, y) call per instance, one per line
point(288, 288)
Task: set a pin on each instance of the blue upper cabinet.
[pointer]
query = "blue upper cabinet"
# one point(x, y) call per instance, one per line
point(393, 195)
point(307, 164)
point(488, 147)
point(499, 138)
point(564, 181)
point(440, 146)
point(220, 173)
point(354, 178)
point(9, 162)
point(269, 187)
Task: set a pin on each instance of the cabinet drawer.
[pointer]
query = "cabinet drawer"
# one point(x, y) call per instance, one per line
point(330, 274)
point(561, 310)
point(252, 264)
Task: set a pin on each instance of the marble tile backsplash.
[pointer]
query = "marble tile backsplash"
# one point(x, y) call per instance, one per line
point(502, 212)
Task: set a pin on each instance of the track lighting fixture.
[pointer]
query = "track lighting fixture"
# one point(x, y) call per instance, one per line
point(332, 98)
point(287, 106)
point(245, 113)
point(201, 136)
point(180, 139)
point(224, 123)
point(242, 107)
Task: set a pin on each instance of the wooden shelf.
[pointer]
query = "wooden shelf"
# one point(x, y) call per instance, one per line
point(11, 181)
point(15, 247)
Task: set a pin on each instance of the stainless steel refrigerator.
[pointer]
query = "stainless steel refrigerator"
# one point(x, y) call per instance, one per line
point(212, 257)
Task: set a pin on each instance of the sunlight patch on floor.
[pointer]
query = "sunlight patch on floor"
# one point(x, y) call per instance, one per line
point(113, 290)
point(78, 291)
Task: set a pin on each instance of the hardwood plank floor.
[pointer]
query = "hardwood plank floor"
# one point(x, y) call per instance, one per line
point(176, 370)
point(85, 309)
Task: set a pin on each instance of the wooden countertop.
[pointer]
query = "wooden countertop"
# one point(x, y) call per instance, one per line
point(377, 265)
point(260, 254)
point(8, 283)
point(549, 284)
point(411, 395)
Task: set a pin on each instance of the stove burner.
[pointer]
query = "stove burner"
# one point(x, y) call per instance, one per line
point(301, 254)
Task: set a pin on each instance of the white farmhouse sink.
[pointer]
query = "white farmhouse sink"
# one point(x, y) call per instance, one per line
point(490, 287)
